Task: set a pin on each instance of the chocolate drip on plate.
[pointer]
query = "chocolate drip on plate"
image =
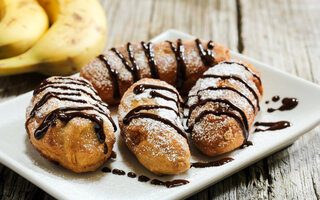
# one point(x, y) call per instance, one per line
point(143, 178)
point(215, 163)
point(207, 56)
point(273, 126)
point(275, 98)
point(118, 172)
point(113, 73)
point(149, 52)
point(287, 104)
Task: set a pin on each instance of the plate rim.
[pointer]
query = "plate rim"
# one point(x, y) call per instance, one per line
point(23, 171)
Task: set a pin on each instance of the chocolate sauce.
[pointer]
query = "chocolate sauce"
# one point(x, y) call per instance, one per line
point(49, 84)
point(133, 69)
point(149, 52)
point(176, 183)
point(143, 178)
point(215, 163)
point(105, 151)
point(207, 56)
point(141, 87)
point(106, 170)
point(60, 113)
point(157, 182)
point(149, 107)
point(157, 94)
point(130, 116)
point(223, 87)
point(56, 95)
point(287, 104)
point(244, 119)
point(113, 155)
point(118, 172)
point(245, 67)
point(267, 102)
point(225, 77)
point(219, 113)
point(273, 126)
point(275, 98)
point(63, 87)
point(181, 65)
point(113, 73)
point(248, 143)
point(131, 175)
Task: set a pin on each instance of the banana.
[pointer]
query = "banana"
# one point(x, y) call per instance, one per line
point(77, 34)
point(22, 23)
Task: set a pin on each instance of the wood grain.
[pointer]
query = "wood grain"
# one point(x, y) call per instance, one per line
point(285, 34)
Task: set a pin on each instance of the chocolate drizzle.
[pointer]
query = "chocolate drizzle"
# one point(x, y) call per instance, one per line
point(135, 113)
point(113, 73)
point(226, 77)
point(207, 56)
point(141, 87)
point(60, 113)
point(273, 126)
point(220, 112)
point(143, 178)
point(275, 98)
point(243, 119)
point(181, 65)
point(223, 87)
point(245, 67)
point(132, 116)
point(287, 104)
point(149, 52)
point(65, 114)
point(134, 69)
point(215, 163)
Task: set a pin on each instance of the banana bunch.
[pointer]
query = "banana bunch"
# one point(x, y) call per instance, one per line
point(77, 33)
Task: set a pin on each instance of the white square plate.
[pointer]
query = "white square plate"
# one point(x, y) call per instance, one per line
point(17, 153)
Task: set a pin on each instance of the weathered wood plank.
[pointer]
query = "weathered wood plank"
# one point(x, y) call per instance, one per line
point(285, 34)
point(282, 33)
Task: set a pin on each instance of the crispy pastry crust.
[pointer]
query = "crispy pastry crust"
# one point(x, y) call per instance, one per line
point(166, 64)
point(158, 146)
point(73, 144)
point(223, 108)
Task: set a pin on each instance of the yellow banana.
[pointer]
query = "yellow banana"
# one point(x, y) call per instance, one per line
point(22, 23)
point(77, 34)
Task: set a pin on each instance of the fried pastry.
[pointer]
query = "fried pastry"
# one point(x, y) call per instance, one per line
point(222, 106)
point(179, 63)
point(69, 124)
point(149, 118)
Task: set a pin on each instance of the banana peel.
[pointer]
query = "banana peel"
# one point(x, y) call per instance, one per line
point(77, 34)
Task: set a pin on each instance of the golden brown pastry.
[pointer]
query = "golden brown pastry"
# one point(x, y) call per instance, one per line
point(69, 124)
point(222, 106)
point(149, 118)
point(179, 63)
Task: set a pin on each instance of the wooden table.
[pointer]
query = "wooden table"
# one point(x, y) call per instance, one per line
point(284, 33)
